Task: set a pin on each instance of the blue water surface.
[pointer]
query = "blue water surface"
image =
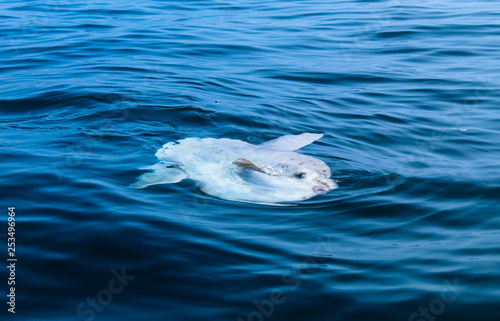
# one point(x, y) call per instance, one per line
point(407, 94)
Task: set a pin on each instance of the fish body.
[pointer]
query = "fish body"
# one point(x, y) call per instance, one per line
point(234, 170)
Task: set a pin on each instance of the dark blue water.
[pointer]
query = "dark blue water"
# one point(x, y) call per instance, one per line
point(406, 93)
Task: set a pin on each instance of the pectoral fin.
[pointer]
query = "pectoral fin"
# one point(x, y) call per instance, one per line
point(246, 164)
point(161, 175)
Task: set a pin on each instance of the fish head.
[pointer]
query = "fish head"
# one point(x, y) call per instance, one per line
point(317, 180)
point(299, 177)
point(315, 177)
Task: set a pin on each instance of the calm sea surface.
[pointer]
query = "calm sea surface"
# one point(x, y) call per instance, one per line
point(407, 94)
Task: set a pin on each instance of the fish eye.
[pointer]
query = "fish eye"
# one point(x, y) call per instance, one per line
point(300, 175)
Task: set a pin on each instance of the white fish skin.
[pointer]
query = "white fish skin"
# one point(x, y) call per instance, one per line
point(238, 171)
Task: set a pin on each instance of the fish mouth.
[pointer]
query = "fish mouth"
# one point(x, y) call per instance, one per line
point(324, 186)
point(320, 189)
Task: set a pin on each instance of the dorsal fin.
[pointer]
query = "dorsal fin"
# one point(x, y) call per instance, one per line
point(290, 143)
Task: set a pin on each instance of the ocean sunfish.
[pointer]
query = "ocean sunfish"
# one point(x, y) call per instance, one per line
point(234, 170)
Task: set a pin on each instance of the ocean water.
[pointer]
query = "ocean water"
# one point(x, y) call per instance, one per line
point(406, 93)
